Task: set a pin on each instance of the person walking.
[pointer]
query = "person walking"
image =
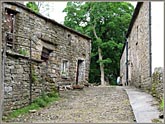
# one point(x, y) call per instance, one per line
point(118, 80)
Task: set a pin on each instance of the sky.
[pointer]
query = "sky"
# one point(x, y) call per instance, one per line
point(157, 24)
point(57, 14)
point(56, 8)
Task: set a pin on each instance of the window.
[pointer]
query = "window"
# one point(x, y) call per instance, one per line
point(45, 53)
point(64, 69)
point(69, 39)
point(10, 23)
point(137, 28)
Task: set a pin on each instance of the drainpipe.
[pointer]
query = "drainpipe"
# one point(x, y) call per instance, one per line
point(30, 85)
point(126, 62)
point(150, 52)
point(1, 84)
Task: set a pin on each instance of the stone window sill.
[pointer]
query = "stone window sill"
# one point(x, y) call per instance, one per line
point(64, 76)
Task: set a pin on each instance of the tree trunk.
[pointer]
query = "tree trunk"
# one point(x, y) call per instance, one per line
point(101, 67)
point(100, 59)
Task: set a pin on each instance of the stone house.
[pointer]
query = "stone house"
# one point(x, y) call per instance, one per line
point(136, 59)
point(135, 62)
point(39, 54)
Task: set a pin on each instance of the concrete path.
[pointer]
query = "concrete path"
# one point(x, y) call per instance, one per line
point(143, 105)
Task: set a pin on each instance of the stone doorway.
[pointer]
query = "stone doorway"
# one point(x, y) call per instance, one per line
point(80, 71)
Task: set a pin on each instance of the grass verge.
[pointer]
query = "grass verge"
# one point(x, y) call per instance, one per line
point(40, 102)
point(162, 105)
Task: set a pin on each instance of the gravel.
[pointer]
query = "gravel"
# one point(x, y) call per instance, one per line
point(109, 104)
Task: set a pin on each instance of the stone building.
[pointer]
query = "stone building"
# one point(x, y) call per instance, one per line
point(39, 54)
point(135, 63)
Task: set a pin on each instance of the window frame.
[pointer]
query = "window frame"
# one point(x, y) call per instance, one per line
point(64, 69)
point(10, 17)
point(45, 54)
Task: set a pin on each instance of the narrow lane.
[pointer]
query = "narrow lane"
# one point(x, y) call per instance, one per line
point(90, 105)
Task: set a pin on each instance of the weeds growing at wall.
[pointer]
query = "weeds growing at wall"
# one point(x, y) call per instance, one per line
point(162, 105)
point(34, 76)
point(40, 102)
point(23, 52)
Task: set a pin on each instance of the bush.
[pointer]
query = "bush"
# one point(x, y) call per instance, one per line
point(46, 98)
point(52, 94)
point(40, 102)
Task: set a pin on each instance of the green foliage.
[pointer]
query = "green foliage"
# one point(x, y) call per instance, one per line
point(155, 84)
point(111, 23)
point(156, 120)
point(34, 76)
point(23, 52)
point(24, 110)
point(42, 101)
point(105, 61)
point(33, 6)
point(98, 41)
point(53, 94)
point(162, 104)
point(45, 99)
point(113, 82)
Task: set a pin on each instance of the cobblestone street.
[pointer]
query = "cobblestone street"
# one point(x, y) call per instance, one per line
point(90, 105)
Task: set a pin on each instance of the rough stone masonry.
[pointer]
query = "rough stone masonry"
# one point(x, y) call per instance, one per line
point(41, 51)
point(138, 49)
point(136, 56)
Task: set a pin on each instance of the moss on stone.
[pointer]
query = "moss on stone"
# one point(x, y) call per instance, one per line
point(155, 82)
point(156, 120)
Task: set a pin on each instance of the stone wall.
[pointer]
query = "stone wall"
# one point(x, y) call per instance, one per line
point(123, 67)
point(138, 57)
point(16, 83)
point(64, 44)
point(138, 50)
point(157, 83)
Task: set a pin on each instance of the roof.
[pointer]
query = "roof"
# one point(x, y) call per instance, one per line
point(135, 14)
point(45, 18)
point(122, 50)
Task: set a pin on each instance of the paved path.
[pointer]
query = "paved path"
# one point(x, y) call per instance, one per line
point(144, 105)
point(90, 105)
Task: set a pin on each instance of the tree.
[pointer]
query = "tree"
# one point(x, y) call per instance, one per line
point(106, 23)
point(33, 6)
point(40, 7)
